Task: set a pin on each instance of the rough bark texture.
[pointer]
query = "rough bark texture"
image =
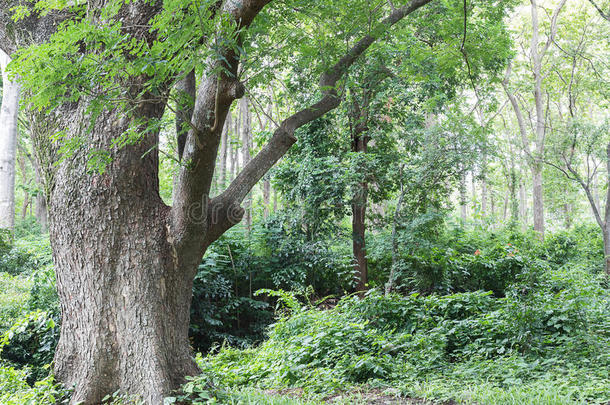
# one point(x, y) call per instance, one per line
point(8, 145)
point(186, 89)
point(124, 301)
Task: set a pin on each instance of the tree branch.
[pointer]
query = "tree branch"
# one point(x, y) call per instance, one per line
point(214, 97)
point(517, 110)
point(606, 16)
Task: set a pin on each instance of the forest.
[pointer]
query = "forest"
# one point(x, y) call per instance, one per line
point(304, 202)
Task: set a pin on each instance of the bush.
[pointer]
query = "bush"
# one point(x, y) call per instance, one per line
point(224, 307)
point(25, 255)
point(14, 390)
point(30, 343)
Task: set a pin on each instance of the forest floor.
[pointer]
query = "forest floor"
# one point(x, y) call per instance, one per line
point(363, 396)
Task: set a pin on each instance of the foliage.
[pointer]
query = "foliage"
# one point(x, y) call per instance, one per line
point(557, 331)
point(25, 254)
point(269, 256)
point(31, 342)
point(14, 389)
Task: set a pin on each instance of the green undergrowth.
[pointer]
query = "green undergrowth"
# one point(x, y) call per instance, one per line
point(545, 342)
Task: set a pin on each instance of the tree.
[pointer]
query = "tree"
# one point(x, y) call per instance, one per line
point(580, 156)
point(579, 146)
point(535, 156)
point(124, 260)
point(9, 112)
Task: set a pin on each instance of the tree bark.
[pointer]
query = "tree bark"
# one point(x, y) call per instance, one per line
point(25, 181)
point(522, 203)
point(186, 89)
point(538, 200)
point(41, 199)
point(390, 284)
point(359, 144)
point(8, 145)
point(266, 196)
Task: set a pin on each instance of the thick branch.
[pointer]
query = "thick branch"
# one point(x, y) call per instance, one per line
point(215, 95)
point(517, 110)
point(186, 89)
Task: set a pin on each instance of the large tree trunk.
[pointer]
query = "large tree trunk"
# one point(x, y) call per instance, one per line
point(8, 145)
point(124, 296)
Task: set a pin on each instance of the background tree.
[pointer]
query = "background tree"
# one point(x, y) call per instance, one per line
point(9, 111)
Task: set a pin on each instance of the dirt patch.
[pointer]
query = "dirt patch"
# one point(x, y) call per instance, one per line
point(369, 396)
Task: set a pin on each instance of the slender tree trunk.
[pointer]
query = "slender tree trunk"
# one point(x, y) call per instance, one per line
point(246, 147)
point(463, 199)
point(359, 144)
point(266, 196)
point(606, 233)
point(537, 57)
point(484, 197)
point(234, 146)
point(25, 181)
point(390, 284)
point(8, 145)
point(595, 185)
point(224, 148)
point(522, 204)
point(538, 201)
point(492, 203)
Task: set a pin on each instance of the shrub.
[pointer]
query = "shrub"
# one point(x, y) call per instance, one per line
point(31, 343)
point(14, 390)
point(25, 255)
point(14, 295)
point(558, 330)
